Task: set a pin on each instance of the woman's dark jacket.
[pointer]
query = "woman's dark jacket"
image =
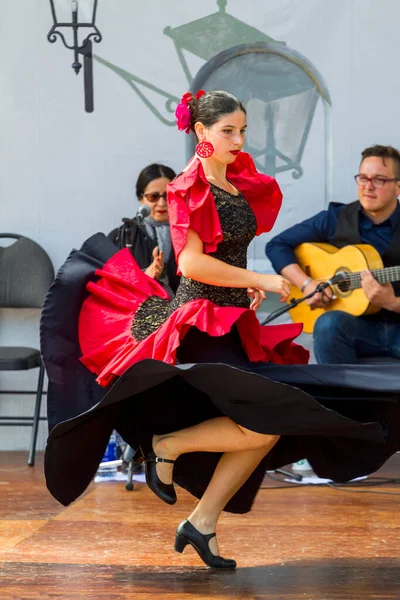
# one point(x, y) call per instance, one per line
point(135, 237)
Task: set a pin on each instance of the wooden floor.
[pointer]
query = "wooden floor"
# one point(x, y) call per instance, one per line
point(297, 544)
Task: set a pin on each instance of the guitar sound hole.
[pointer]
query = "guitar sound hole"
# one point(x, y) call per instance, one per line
point(344, 286)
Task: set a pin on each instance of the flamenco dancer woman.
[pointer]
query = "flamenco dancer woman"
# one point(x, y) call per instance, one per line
point(195, 383)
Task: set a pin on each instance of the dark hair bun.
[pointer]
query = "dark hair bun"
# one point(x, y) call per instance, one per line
point(212, 106)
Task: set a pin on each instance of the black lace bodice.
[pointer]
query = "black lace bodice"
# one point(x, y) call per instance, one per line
point(239, 226)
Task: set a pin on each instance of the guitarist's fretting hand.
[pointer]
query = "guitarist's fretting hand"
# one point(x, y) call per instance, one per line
point(380, 295)
point(318, 300)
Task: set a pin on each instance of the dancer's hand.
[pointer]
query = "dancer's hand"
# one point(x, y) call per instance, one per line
point(257, 295)
point(274, 283)
point(156, 268)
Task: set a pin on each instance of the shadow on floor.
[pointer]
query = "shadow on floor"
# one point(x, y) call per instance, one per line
point(338, 579)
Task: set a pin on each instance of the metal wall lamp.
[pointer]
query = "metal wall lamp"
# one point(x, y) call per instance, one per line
point(85, 48)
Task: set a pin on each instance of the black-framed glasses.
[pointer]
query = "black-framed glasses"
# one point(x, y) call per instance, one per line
point(377, 182)
point(155, 196)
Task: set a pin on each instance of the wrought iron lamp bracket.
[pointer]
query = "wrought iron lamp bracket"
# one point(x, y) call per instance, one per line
point(85, 48)
point(53, 33)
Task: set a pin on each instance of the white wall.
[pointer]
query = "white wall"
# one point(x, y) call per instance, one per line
point(65, 174)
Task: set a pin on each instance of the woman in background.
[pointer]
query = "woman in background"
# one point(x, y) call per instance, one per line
point(149, 238)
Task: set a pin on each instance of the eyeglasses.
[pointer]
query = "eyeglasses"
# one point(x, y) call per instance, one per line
point(377, 182)
point(155, 196)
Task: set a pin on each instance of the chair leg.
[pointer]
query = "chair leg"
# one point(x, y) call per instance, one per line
point(129, 482)
point(36, 416)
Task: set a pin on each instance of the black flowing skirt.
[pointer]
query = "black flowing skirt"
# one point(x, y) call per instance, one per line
point(345, 419)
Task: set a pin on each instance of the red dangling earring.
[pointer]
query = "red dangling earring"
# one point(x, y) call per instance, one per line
point(204, 149)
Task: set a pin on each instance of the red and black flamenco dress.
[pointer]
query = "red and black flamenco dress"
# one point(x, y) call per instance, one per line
point(132, 336)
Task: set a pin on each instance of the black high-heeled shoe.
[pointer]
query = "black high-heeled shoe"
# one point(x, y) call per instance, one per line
point(187, 534)
point(165, 491)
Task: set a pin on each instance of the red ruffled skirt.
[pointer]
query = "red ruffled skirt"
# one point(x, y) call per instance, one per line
point(107, 316)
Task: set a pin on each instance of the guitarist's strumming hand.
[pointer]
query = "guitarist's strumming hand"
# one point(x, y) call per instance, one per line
point(380, 295)
point(319, 300)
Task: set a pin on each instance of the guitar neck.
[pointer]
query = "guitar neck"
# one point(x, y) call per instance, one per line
point(386, 275)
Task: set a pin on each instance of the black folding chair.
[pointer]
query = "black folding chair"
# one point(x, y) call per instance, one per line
point(26, 274)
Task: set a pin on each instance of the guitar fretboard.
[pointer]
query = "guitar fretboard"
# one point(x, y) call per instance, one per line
point(387, 275)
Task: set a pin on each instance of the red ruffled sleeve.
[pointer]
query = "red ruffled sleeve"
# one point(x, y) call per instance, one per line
point(261, 191)
point(191, 203)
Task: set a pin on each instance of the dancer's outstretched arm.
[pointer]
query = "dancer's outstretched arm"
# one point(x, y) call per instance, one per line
point(197, 265)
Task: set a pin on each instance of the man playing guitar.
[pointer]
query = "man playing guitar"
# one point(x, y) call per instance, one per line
point(374, 219)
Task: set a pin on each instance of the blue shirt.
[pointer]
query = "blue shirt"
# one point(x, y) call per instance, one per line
point(322, 227)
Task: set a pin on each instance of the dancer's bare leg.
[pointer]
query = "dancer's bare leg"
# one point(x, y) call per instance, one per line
point(243, 450)
point(215, 435)
point(233, 470)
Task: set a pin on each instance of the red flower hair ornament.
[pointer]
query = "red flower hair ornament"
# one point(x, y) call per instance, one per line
point(182, 111)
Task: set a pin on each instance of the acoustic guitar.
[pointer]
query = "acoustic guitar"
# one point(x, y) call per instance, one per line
point(323, 261)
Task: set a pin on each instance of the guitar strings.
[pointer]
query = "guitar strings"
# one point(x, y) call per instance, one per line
point(384, 275)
